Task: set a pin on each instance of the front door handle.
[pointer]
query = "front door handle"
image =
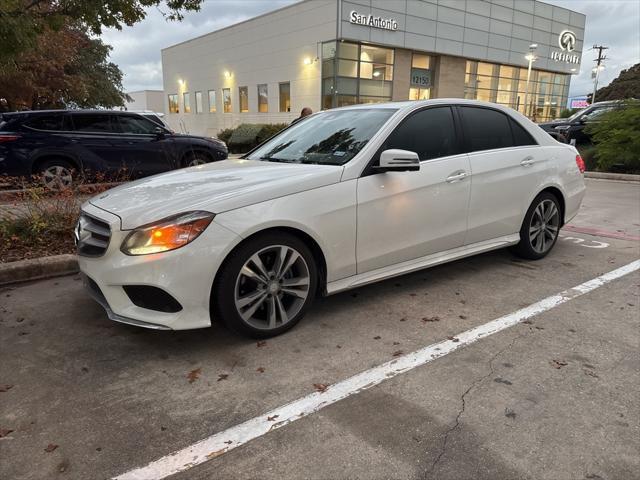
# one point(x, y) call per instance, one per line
point(527, 162)
point(456, 177)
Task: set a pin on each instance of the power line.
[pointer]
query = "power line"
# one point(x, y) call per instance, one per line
point(599, 67)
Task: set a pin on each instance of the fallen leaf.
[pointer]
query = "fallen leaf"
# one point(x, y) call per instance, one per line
point(229, 442)
point(431, 319)
point(5, 388)
point(402, 319)
point(193, 375)
point(338, 346)
point(4, 432)
point(591, 373)
point(260, 369)
point(320, 387)
point(261, 343)
point(509, 413)
point(377, 337)
point(51, 447)
point(271, 419)
point(462, 317)
point(396, 343)
point(222, 376)
point(397, 353)
point(558, 363)
point(528, 322)
point(453, 339)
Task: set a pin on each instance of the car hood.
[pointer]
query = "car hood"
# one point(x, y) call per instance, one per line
point(215, 187)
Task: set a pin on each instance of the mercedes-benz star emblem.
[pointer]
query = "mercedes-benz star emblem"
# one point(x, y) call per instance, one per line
point(567, 40)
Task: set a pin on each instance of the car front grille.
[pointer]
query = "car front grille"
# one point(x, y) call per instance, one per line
point(92, 236)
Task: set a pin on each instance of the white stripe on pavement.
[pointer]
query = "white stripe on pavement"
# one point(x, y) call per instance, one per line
point(222, 442)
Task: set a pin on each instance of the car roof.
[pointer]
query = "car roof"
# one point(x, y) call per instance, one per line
point(88, 110)
point(414, 104)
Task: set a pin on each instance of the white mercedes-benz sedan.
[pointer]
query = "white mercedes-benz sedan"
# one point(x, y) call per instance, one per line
point(341, 199)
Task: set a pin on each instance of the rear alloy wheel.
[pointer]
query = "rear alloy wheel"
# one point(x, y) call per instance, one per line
point(540, 228)
point(195, 160)
point(266, 286)
point(56, 174)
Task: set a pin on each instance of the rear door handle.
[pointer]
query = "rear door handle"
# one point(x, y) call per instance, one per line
point(456, 177)
point(527, 162)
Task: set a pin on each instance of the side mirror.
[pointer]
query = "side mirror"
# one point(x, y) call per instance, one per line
point(159, 131)
point(396, 160)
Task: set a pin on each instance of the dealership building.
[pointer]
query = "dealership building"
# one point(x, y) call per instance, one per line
point(330, 53)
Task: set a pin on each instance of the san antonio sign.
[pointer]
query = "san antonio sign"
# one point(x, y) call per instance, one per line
point(373, 21)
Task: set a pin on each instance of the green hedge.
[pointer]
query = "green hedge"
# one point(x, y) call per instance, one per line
point(249, 135)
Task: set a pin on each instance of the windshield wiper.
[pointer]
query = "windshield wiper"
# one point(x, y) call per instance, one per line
point(275, 159)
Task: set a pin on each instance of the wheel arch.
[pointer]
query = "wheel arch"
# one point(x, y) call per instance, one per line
point(40, 159)
point(556, 192)
point(190, 152)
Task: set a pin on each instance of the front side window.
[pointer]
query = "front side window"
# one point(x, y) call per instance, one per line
point(285, 97)
point(430, 133)
point(243, 93)
point(198, 102)
point(92, 123)
point(186, 99)
point(226, 100)
point(327, 138)
point(486, 129)
point(136, 125)
point(263, 98)
point(173, 103)
point(212, 101)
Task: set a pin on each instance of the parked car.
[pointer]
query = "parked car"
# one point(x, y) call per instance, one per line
point(153, 116)
point(348, 197)
point(57, 143)
point(573, 128)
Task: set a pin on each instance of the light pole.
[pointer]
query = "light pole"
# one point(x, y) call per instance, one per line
point(531, 56)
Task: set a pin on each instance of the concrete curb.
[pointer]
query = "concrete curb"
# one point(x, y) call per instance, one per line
point(624, 177)
point(37, 268)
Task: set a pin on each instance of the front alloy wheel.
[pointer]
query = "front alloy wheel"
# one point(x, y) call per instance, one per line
point(271, 281)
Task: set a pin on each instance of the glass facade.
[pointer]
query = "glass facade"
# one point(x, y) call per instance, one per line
point(284, 90)
point(263, 98)
point(353, 73)
point(243, 95)
point(421, 76)
point(212, 101)
point(186, 102)
point(173, 103)
point(226, 100)
point(198, 102)
point(506, 85)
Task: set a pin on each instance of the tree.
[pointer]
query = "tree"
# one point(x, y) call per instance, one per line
point(625, 86)
point(617, 138)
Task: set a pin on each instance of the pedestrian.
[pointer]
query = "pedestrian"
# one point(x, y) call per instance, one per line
point(306, 111)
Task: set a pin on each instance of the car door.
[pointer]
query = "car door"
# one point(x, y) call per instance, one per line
point(507, 168)
point(92, 138)
point(145, 147)
point(406, 215)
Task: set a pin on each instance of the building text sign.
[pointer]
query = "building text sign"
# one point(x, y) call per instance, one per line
point(373, 21)
point(567, 41)
point(420, 77)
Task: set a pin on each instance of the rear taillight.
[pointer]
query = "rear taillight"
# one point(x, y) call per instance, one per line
point(580, 163)
point(8, 138)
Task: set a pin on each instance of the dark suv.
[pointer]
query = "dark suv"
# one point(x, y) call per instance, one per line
point(57, 143)
point(572, 128)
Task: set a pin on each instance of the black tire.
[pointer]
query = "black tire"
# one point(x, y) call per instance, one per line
point(230, 280)
point(195, 158)
point(48, 167)
point(531, 249)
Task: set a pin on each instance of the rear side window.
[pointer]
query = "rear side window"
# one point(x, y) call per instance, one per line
point(430, 133)
point(93, 123)
point(136, 125)
point(45, 122)
point(486, 129)
point(520, 136)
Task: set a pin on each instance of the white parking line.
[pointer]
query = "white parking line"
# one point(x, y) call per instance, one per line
point(227, 440)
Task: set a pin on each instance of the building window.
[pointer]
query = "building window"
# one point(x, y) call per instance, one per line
point(212, 101)
point(353, 73)
point(507, 85)
point(186, 100)
point(243, 93)
point(226, 100)
point(421, 77)
point(285, 97)
point(198, 102)
point(173, 103)
point(263, 98)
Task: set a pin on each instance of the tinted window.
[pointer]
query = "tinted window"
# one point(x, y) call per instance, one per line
point(520, 135)
point(430, 133)
point(92, 123)
point(137, 125)
point(45, 122)
point(486, 129)
point(327, 138)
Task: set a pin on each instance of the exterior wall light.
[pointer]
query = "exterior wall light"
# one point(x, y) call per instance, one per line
point(227, 74)
point(308, 61)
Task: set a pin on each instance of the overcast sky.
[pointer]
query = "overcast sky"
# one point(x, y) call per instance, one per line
point(613, 23)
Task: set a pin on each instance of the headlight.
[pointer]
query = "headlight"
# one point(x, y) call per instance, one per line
point(561, 127)
point(168, 234)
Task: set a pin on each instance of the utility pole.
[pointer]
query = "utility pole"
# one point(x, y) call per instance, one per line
point(599, 67)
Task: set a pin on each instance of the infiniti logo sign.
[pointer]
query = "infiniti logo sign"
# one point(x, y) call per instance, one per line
point(567, 40)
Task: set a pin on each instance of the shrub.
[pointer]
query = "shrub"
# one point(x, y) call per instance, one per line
point(268, 130)
point(248, 135)
point(617, 139)
point(588, 154)
point(567, 112)
point(225, 135)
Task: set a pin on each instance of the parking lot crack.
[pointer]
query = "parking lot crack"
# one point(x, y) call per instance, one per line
point(463, 406)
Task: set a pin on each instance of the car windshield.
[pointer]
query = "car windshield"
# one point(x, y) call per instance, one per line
point(576, 115)
point(327, 138)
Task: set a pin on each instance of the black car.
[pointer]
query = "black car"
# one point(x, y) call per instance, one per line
point(572, 128)
point(57, 143)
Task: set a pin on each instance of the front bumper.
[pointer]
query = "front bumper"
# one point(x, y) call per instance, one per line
point(187, 274)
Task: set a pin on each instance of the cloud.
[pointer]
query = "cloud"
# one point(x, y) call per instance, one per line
point(613, 23)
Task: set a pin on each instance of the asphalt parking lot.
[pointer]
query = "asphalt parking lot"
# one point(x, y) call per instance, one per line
point(553, 397)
